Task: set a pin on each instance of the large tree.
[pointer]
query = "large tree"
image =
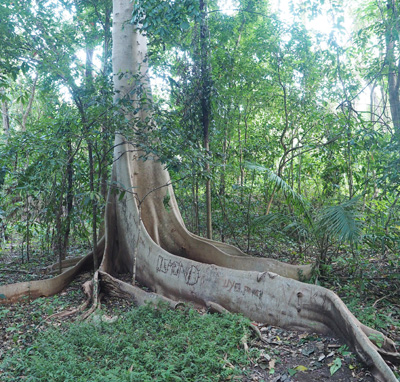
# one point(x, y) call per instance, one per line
point(145, 236)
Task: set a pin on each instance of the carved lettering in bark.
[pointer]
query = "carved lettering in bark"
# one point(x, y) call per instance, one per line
point(238, 288)
point(175, 268)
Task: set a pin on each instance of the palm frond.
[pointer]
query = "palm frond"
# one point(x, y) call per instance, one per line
point(298, 228)
point(272, 219)
point(342, 221)
point(279, 184)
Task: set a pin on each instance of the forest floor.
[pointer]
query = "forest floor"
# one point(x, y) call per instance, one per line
point(283, 356)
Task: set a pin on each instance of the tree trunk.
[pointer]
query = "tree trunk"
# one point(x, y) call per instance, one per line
point(195, 193)
point(30, 103)
point(28, 228)
point(6, 118)
point(393, 64)
point(105, 70)
point(206, 107)
point(178, 265)
point(69, 197)
point(93, 202)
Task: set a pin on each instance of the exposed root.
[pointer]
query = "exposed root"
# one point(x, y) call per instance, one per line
point(92, 290)
point(152, 185)
point(383, 345)
point(31, 290)
point(117, 288)
point(65, 265)
point(67, 313)
point(244, 340)
point(213, 307)
point(88, 291)
point(253, 326)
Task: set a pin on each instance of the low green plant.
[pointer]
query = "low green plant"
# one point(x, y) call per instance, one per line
point(364, 309)
point(145, 344)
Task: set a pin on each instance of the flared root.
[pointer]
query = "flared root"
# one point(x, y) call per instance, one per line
point(165, 224)
point(65, 265)
point(42, 288)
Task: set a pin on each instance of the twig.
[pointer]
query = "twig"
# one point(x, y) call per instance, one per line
point(379, 299)
point(13, 270)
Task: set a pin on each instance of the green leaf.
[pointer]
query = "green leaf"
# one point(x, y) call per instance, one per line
point(121, 195)
point(377, 339)
point(337, 364)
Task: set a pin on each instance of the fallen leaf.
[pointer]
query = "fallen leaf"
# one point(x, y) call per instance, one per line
point(336, 365)
point(301, 368)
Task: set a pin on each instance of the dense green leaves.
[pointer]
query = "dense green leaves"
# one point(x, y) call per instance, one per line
point(300, 120)
point(146, 344)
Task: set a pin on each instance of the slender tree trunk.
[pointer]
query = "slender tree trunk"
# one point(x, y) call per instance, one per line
point(90, 144)
point(222, 182)
point(241, 165)
point(347, 112)
point(299, 175)
point(28, 228)
point(248, 213)
point(349, 162)
point(197, 211)
point(195, 205)
point(30, 103)
point(69, 198)
point(105, 70)
point(206, 106)
point(271, 199)
point(94, 204)
point(58, 234)
point(6, 118)
point(391, 36)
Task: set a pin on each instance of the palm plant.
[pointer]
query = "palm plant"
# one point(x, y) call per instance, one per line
point(336, 225)
point(323, 229)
